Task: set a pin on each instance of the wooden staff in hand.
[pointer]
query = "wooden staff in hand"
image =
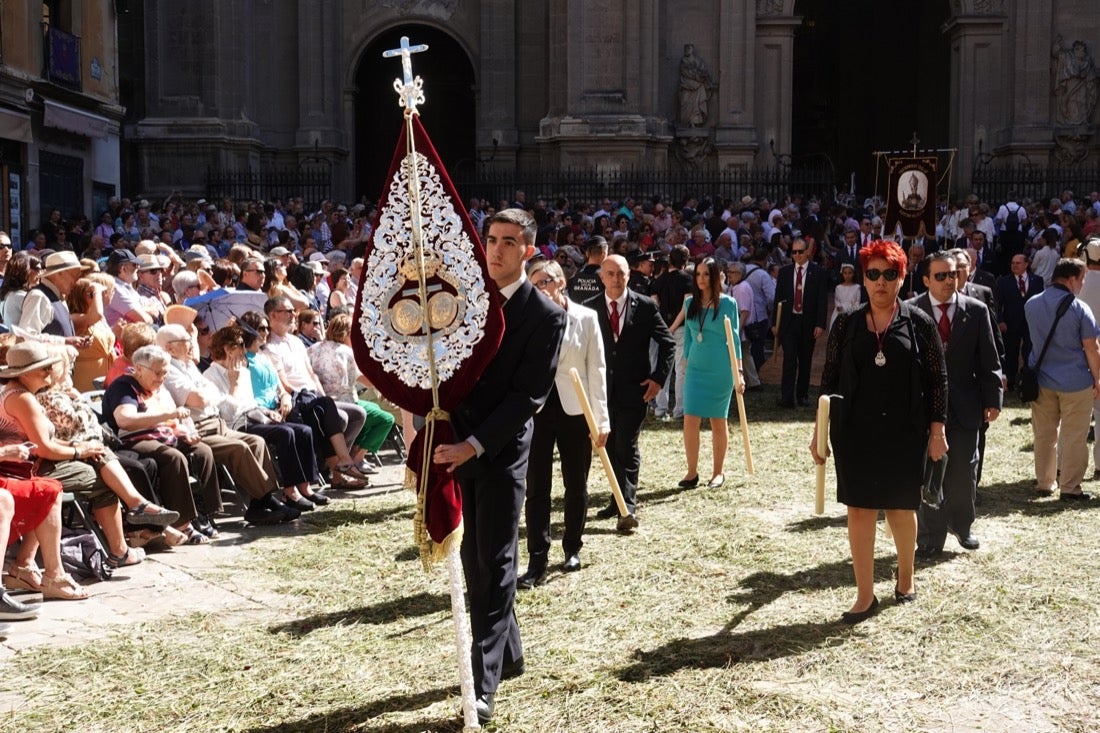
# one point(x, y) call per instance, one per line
point(778, 320)
point(821, 451)
point(594, 431)
point(738, 391)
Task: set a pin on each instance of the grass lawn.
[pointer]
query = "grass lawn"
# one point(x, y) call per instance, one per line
point(720, 614)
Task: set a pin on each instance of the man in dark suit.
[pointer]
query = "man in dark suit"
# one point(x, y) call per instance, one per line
point(848, 254)
point(800, 291)
point(973, 399)
point(629, 322)
point(914, 275)
point(982, 258)
point(495, 426)
point(1012, 292)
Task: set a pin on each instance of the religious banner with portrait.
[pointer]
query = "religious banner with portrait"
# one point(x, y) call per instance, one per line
point(912, 195)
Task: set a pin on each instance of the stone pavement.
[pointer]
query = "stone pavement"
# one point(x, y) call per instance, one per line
point(174, 582)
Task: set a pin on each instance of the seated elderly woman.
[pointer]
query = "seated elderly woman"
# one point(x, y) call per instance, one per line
point(291, 443)
point(247, 456)
point(334, 363)
point(29, 370)
point(147, 420)
point(31, 509)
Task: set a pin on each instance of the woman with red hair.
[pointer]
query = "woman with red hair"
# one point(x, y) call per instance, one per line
point(884, 366)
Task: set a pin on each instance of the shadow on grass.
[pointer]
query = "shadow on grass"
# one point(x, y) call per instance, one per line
point(813, 524)
point(352, 718)
point(724, 649)
point(419, 604)
point(1020, 497)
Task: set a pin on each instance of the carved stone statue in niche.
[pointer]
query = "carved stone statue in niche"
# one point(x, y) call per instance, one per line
point(696, 84)
point(1076, 84)
point(693, 152)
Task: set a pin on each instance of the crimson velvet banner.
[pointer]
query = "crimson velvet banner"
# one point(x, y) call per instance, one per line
point(426, 323)
point(911, 200)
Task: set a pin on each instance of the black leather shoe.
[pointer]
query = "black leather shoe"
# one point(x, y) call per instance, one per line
point(970, 542)
point(689, 483)
point(533, 577)
point(484, 707)
point(607, 512)
point(1079, 496)
point(854, 617)
point(572, 563)
point(511, 670)
point(902, 598)
point(928, 552)
point(627, 524)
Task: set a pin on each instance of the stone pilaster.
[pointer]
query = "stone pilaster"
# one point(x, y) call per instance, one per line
point(977, 63)
point(497, 108)
point(772, 96)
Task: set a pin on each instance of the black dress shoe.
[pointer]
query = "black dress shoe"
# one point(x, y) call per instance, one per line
point(854, 617)
point(484, 707)
point(511, 670)
point(902, 598)
point(689, 483)
point(572, 563)
point(928, 552)
point(531, 578)
point(1079, 496)
point(970, 542)
point(627, 524)
point(607, 512)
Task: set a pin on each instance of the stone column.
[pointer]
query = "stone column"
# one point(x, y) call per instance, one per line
point(1029, 131)
point(977, 65)
point(604, 111)
point(773, 95)
point(497, 108)
point(735, 137)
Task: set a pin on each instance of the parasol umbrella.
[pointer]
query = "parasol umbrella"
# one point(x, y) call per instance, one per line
point(218, 306)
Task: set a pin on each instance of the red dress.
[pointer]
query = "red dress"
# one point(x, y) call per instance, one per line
point(34, 498)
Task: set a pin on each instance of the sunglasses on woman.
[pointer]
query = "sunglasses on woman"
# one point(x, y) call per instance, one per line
point(874, 274)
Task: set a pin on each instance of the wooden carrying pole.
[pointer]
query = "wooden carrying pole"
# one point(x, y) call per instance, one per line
point(822, 450)
point(594, 431)
point(735, 365)
point(778, 320)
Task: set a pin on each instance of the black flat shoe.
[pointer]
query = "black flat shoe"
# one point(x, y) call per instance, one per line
point(689, 483)
point(607, 513)
point(301, 504)
point(902, 598)
point(317, 498)
point(1079, 496)
point(854, 617)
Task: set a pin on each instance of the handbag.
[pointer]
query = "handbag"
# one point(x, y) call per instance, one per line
point(1027, 379)
point(931, 485)
point(18, 469)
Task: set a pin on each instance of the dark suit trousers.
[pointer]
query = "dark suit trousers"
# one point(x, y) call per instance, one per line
point(798, 353)
point(492, 498)
point(956, 513)
point(570, 433)
point(1016, 341)
point(622, 449)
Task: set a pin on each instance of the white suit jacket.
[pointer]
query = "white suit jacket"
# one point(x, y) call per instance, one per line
point(582, 349)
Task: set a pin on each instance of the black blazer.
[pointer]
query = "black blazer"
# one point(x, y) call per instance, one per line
point(973, 365)
point(814, 296)
point(628, 362)
point(498, 410)
point(1011, 304)
point(986, 296)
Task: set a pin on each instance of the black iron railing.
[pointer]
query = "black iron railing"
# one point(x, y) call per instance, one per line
point(312, 184)
point(993, 182)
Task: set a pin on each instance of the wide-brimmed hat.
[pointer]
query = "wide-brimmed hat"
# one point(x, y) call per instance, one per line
point(58, 261)
point(26, 357)
point(279, 252)
point(316, 266)
point(181, 315)
point(149, 262)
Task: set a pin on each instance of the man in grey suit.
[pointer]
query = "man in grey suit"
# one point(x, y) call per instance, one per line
point(974, 394)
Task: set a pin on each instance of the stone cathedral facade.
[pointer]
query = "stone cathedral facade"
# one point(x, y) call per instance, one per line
point(699, 84)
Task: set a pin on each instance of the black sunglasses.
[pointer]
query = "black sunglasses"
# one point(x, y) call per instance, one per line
point(941, 276)
point(798, 251)
point(874, 274)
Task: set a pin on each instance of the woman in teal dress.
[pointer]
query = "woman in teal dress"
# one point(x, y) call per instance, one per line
point(708, 379)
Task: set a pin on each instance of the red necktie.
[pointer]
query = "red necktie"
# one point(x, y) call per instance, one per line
point(945, 324)
point(798, 291)
point(1023, 288)
point(615, 319)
